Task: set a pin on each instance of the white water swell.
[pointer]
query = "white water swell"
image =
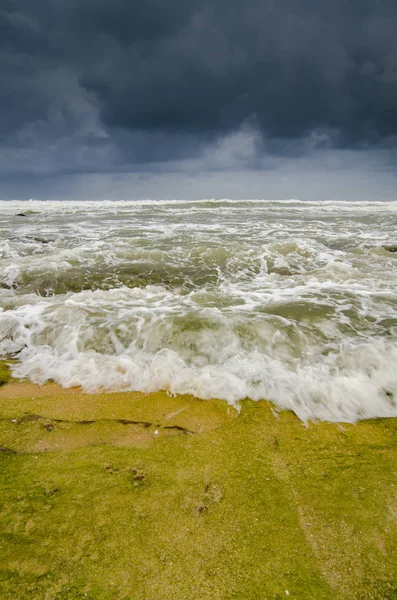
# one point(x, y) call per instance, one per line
point(290, 301)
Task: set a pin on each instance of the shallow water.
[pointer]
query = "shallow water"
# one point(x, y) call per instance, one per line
point(291, 301)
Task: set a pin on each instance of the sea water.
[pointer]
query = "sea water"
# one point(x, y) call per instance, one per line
point(294, 302)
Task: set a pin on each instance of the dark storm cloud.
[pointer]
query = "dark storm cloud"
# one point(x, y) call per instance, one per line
point(108, 84)
point(291, 67)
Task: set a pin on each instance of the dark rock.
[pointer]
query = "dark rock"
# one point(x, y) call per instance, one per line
point(390, 248)
point(21, 215)
point(41, 240)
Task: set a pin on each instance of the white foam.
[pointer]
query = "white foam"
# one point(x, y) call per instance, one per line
point(291, 301)
point(153, 339)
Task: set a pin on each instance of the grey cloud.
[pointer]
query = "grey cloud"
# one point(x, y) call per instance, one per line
point(290, 70)
point(121, 85)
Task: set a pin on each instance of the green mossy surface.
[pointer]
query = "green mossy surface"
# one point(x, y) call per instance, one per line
point(125, 496)
point(5, 372)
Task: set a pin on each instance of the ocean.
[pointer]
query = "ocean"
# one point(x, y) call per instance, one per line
point(290, 301)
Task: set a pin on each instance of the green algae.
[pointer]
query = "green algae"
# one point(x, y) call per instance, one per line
point(223, 505)
point(5, 373)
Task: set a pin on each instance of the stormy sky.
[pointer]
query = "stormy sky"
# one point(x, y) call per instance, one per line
point(189, 98)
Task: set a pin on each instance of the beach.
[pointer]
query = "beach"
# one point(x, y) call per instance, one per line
point(198, 400)
point(127, 496)
point(198, 300)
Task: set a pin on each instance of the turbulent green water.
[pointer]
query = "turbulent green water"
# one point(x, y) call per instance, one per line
point(291, 301)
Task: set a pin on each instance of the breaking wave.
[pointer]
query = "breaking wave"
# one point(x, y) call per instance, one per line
point(288, 301)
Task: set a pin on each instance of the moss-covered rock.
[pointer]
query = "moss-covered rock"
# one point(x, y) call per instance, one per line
point(126, 496)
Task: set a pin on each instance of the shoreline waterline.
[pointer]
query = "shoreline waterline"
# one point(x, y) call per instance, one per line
point(14, 388)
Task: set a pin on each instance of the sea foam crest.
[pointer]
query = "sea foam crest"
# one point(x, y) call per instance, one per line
point(146, 340)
